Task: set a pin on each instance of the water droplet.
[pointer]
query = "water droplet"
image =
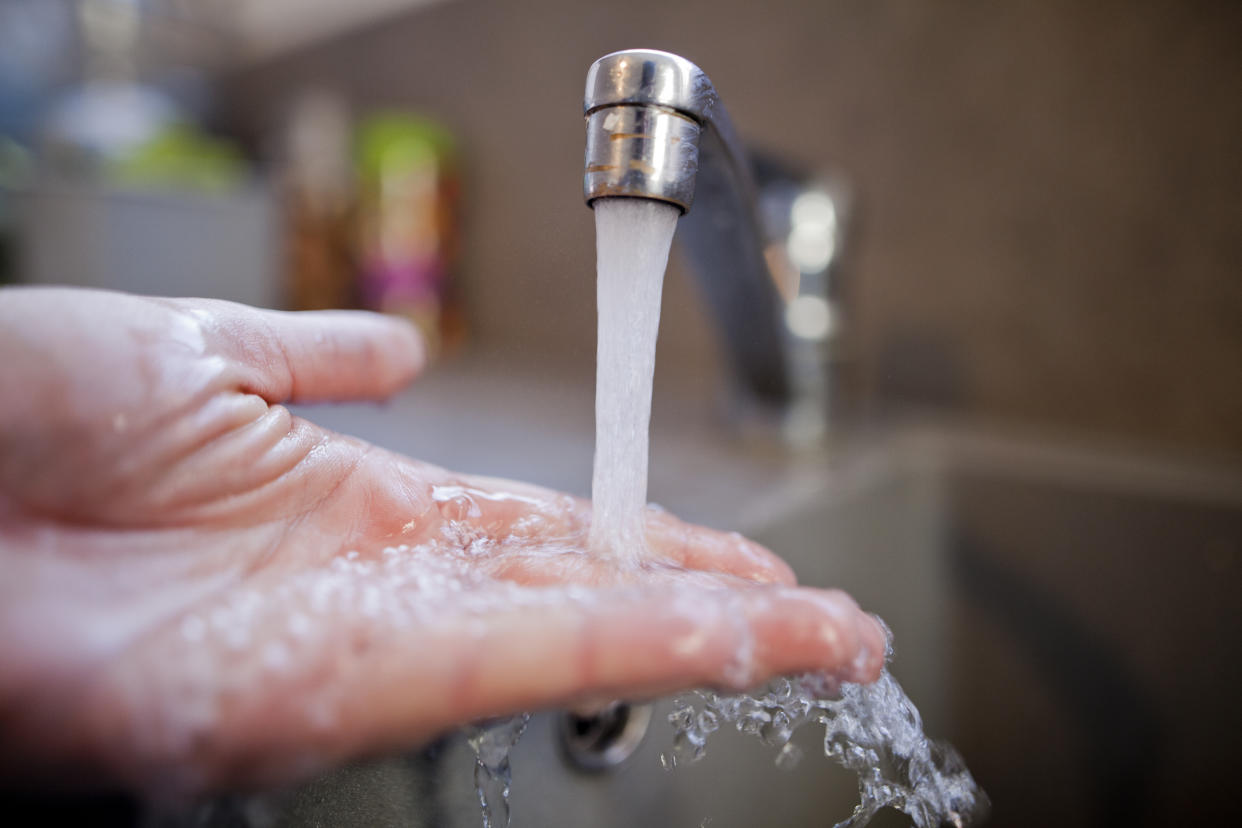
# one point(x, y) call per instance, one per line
point(789, 756)
point(493, 776)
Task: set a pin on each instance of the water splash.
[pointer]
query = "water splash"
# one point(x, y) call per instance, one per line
point(493, 777)
point(873, 730)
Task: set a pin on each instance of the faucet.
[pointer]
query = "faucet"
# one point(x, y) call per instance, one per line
point(654, 122)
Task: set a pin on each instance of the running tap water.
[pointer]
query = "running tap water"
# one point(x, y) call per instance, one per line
point(632, 242)
point(646, 114)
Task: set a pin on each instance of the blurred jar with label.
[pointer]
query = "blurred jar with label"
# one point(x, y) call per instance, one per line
point(407, 224)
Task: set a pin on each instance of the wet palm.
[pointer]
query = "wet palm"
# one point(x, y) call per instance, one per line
point(201, 589)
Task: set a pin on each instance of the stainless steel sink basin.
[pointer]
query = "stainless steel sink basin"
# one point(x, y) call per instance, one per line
point(1069, 618)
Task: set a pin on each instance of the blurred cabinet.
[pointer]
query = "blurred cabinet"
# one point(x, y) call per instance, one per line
point(221, 246)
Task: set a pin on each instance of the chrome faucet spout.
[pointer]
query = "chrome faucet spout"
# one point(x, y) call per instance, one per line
point(646, 112)
point(656, 129)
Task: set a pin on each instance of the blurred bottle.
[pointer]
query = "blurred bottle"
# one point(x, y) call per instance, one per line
point(319, 205)
point(111, 111)
point(407, 224)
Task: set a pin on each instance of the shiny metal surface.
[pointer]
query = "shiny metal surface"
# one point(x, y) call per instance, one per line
point(645, 112)
point(660, 95)
point(805, 218)
point(652, 82)
point(649, 77)
point(657, 129)
point(602, 741)
point(642, 151)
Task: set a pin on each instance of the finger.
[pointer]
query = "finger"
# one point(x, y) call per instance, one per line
point(655, 642)
point(311, 356)
point(631, 644)
point(352, 682)
point(696, 547)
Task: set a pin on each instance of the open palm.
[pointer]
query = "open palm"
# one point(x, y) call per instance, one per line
point(200, 589)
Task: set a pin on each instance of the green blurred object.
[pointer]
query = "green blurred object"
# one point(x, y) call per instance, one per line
point(181, 158)
point(15, 170)
point(408, 224)
point(392, 143)
point(15, 163)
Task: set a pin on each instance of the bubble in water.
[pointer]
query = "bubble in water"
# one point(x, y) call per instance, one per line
point(873, 730)
point(777, 731)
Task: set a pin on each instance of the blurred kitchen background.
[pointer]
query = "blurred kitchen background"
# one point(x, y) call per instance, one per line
point(1047, 213)
point(1042, 260)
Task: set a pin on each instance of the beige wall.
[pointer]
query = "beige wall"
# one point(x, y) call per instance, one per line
point(1050, 192)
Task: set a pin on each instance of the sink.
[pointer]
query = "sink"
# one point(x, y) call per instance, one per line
point(1067, 616)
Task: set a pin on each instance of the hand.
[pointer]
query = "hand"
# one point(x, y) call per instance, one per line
point(202, 590)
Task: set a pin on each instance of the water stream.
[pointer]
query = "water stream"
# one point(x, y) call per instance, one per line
point(632, 243)
point(491, 743)
point(633, 237)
